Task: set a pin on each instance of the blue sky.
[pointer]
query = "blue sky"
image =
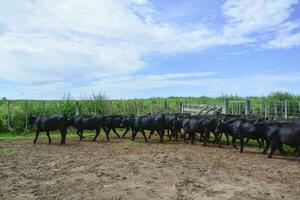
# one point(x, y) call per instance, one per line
point(147, 48)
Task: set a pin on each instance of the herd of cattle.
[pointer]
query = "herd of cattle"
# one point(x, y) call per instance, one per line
point(268, 133)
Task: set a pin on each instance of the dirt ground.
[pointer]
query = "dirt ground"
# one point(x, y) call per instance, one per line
point(122, 169)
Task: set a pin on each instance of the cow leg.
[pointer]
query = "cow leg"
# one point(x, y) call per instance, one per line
point(273, 148)
point(168, 132)
point(206, 138)
point(36, 136)
point(114, 130)
point(78, 133)
point(242, 144)
point(282, 152)
point(227, 139)
point(134, 135)
point(247, 140)
point(107, 134)
point(267, 147)
point(49, 138)
point(233, 142)
point(151, 132)
point(192, 135)
point(161, 134)
point(97, 133)
point(126, 131)
point(297, 151)
point(81, 135)
point(144, 134)
point(261, 143)
point(171, 135)
point(63, 136)
point(219, 142)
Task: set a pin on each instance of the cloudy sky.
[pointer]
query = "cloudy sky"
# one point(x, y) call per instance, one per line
point(146, 48)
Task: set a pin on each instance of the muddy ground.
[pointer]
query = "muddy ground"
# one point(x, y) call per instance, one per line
point(122, 169)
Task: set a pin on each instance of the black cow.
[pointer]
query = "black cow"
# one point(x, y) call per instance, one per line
point(87, 122)
point(239, 129)
point(151, 123)
point(278, 134)
point(50, 123)
point(112, 122)
point(128, 123)
point(169, 120)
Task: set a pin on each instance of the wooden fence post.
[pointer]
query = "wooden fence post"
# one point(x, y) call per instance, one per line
point(225, 107)
point(181, 109)
point(95, 106)
point(8, 114)
point(165, 106)
point(247, 107)
point(124, 105)
point(266, 109)
point(110, 108)
point(275, 111)
point(285, 109)
point(77, 108)
point(137, 107)
point(152, 108)
point(26, 116)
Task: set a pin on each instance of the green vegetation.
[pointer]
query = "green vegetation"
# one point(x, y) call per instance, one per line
point(11, 152)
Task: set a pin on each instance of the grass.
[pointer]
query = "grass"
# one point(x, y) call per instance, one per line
point(11, 152)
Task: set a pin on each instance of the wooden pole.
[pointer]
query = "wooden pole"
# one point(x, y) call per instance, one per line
point(266, 109)
point(225, 106)
point(285, 109)
point(275, 111)
point(77, 108)
point(137, 107)
point(26, 115)
point(165, 106)
point(110, 108)
point(247, 107)
point(8, 114)
point(181, 109)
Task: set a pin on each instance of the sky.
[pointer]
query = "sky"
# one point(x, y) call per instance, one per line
point(148, 48)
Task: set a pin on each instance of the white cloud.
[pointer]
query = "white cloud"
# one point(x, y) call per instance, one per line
point(44, 42)
point(206, 83)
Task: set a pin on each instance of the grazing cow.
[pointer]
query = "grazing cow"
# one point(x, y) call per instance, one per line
point(278, 134)
point(151, 123)
point(50, 123)
point(87, 122)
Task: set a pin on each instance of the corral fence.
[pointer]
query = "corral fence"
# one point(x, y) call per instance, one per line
point(14, 113)
point(271, 109)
